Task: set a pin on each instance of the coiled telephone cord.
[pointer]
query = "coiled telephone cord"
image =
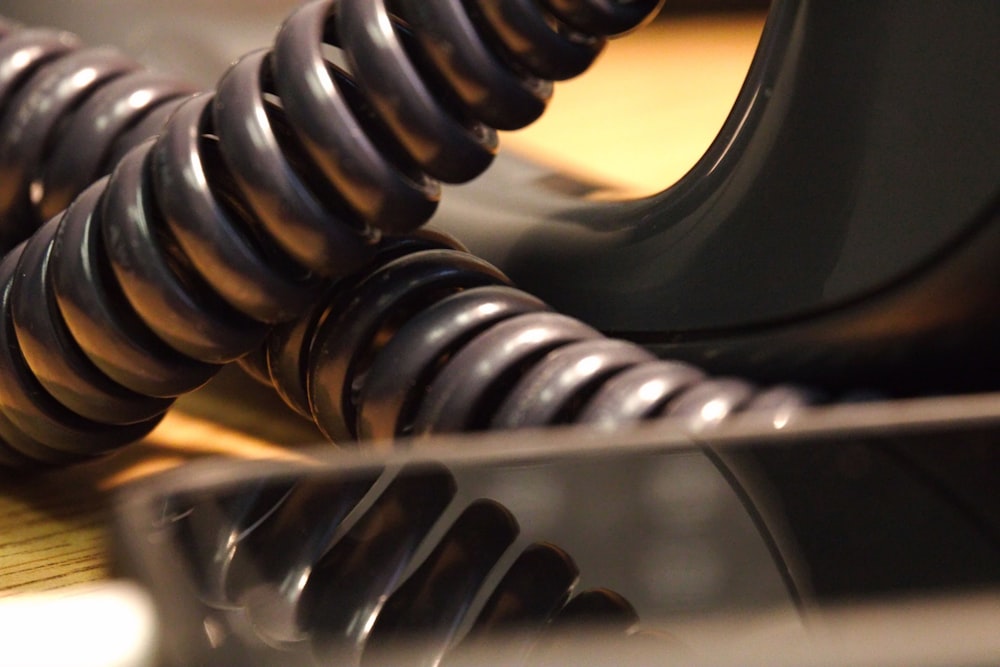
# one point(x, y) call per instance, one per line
point(67, 115)
point(345, 571)
point(431, 339)
point(253, 198)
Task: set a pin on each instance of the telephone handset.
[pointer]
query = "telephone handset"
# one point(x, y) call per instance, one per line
point(841, 229)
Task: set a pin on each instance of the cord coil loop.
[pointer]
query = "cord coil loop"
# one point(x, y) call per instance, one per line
point(329, 570)
point(432, 340)
point(249, 203)
point(67, 115)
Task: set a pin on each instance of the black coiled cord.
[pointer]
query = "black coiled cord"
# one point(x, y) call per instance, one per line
point(67, 115)
point(430, 339)
point(253, 197)
point(335, 571)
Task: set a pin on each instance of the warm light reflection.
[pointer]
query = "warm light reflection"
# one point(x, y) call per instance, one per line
point(84, 77)
point(588, 365)
point(713, 411)
point(488, 308)
point(651, 390)
point(20, 59)
point(181, 437)
point(781, 418)
point(139, 99)
point(527, 337)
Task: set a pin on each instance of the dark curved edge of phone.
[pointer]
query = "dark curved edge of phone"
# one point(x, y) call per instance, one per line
point(841, 230)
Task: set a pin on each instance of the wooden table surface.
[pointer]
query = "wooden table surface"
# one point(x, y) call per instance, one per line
point(638, 120)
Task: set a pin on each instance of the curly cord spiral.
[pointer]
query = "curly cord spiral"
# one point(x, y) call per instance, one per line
point(67, 115)
point(431, 339)
point(346, 571)
point(251, 198)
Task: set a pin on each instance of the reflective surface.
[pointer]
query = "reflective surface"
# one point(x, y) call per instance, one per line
point(849, 199)
point(635, 535)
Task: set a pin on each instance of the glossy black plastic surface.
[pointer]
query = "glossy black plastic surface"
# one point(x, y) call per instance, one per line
point(412, 559)
point(411, 361)
point(224, 250)
point(347, 341)
point(54, 357)
point(164, 289)
point(430, 339)
point(841, 228)
point(111, 334)
point(49, 431)
point(67, 115)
